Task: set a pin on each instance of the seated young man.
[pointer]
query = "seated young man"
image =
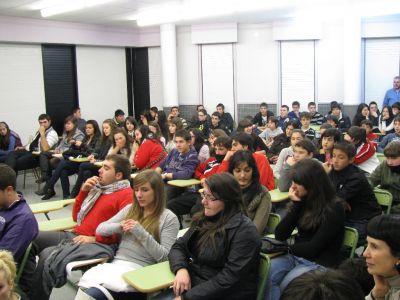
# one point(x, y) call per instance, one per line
point(179, 164)
point(45, 139)
point(305, 119)
point(190, 200)
point(271, 131)
point(395, 136)
point(280, 142)
point(387, 174)
point(353, 187)
point(365, 158)
point(302, 150)
point(329, 137)
point(316, 117)
point(217, 124)
point(99, 199)
point(295, 113)
point(262, 117)
point(332, 120)
point(243, 141)
point(226, 118)
point(284, 117)
point(174, 112)
point(344, 120)
point(371, 137)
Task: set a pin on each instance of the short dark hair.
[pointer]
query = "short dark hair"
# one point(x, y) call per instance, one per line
point(183, 133)
point(297, 103)
point(291, 123)
point(299, 131)
point(392, 150)
point(75, 109)
point(264, 104)
point(386, 228)
point(396, 105)
point(274, 120)
point(356, 268)
point(244, 139)
point(44, 117)
point(216, 114)
point(336, 105)
point(221, 105)
point(346, 147)
point(121, 164)
point(358, 134)
point(8, 177)
point(197, 107)
point(326, 126)
point(332, 118)
point(119, 112)
point(367, 122)
point(244, 156)
point(307, 145)
point(224, 141)
point(306, 115)
point(396, 119)
point(323, 285)
point(244, 124)
point(284, 105)
point(332, 132)
point(203, 111)
point(154, 109)
point(311, 103)
point(172, 107)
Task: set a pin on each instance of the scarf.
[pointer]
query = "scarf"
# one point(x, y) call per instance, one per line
point(249, 194)
point(95, 194)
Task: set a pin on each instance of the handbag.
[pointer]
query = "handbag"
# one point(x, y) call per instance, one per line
point(271, 245)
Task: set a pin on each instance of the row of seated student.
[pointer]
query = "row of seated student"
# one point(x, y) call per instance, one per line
point(313, 200)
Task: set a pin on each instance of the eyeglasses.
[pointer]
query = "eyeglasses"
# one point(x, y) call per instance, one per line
point(207, 196)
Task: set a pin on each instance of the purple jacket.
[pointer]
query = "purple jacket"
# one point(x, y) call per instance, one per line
point(181, 166)
point(18, 228)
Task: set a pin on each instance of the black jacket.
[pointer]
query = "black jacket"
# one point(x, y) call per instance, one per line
point(228, 271)
point(280, 142)
point(258, 118)
point(352, 186)
point(227, 121)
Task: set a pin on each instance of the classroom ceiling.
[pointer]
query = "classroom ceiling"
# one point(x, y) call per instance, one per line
point(117, 12)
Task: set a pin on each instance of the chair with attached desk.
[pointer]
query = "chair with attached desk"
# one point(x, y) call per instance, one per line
point(57, 224)
point(47, 207)
point(273, 221)
point(384, 198)
point(350, 239)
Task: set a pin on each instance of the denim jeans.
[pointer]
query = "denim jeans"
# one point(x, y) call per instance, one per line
point(283, 270)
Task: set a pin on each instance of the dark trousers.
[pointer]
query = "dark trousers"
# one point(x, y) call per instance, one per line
point(184, 203)
point(43, 246)
point(22, 160)
point(64, 169)
point(47, 163)
point(86, 170)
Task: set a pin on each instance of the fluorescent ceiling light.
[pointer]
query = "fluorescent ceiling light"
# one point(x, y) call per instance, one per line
point(51, 8)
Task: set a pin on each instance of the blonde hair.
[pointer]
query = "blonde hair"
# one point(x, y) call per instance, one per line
point(151, 222)
point(7, 265)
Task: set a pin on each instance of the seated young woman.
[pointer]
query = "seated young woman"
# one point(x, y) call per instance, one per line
point(66, 167)
point(147, 230)
point(302, 150)
point(296, 136)
point(103, 147)
point(386, 124)
point(130, 126)
point(383, 256)
point(9, 140)
point(198, 142)
point(122, 143)
point(156, 130)
point(70, 136)
point(256, 198)
point(328, 139)
point(218, 257)
point(175, 124)
point(148, 150)
point(259, 146)
point(319, 217)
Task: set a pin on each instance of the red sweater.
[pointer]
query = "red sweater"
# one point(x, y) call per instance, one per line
point(105, 207)
point(149, 151)
point(210, 165)
point(364, 152)
point(266, 173)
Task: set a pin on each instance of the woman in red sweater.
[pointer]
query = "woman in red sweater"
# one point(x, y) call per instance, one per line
point(149, 151)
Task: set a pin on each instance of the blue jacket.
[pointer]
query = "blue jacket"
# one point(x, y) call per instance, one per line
point(18, 228)
point(391, 97)
point(387, 139)
point(181, 166)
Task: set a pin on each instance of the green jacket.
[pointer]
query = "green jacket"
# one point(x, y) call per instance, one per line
point(387, 179)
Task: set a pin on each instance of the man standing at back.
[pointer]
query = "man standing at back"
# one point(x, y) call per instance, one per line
point(100, 199)
point(393, 95)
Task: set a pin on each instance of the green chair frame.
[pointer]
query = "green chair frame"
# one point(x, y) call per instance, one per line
point(273, 221)
point(265, 264)
point(381, 157)
point(384, 198)
point(350, 239)
point(21, 266)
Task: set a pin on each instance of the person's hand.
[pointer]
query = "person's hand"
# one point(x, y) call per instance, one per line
point(72, 142)
point(19, 148)
point(293, 194)
point(290, 161)
point(57, 151)
point(381, 287)
point(167, 176)
point(202, 181)
point(170, 116)
point(84, 239)
point(374, 114)
point(178, 298)
point(90, 183)
point(327, 167)
point(127, 225)
point(42, 130)
point(182, 282)
point(78, 143)
point(229, 155)
point(274, 159)
point(383, 132)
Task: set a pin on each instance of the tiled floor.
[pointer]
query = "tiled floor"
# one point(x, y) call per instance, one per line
point(67, 292)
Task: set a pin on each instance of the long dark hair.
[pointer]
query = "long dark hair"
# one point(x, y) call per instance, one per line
point(391, 116)
point(255, 186)
point(224, 187)
point(147, 134)
point(110, 138)
point(97, 132)
point(162, 121)
point(198, 139)
point(5, 140)
point(320, 196)
point(127, 140)
point(358, 117)
point(131, 120)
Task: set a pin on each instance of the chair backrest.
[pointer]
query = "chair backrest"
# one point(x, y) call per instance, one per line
point(273, 221)
point(265, 264)
point(350, 239)
point(21, 266)
point(380, 157)
point(384, 198)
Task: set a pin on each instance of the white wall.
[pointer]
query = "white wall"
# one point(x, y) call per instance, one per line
point(155, 77)
point(21, 88)
point(257, 64)
point(101, 81)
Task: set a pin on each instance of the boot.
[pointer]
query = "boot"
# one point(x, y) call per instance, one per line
point(49, 194)
point(42, 191)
